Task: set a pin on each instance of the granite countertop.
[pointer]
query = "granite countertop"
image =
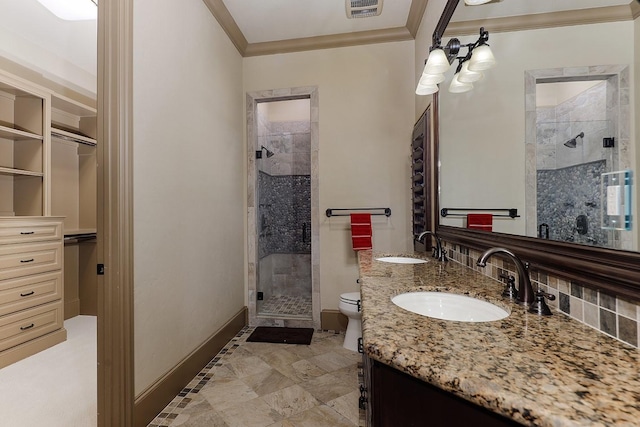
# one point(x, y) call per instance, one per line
point(536, 370)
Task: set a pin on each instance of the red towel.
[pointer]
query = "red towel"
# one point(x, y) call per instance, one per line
point(480, 222)
point(361, 232)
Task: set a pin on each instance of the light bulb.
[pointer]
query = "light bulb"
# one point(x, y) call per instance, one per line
point(457, 86)
point(437, 62)
point(481, 58)
point(468, 76)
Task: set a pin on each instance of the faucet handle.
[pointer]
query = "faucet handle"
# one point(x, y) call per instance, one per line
point(510, 290)
point(539, 306)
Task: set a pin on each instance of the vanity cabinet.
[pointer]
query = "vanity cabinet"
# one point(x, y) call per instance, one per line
point(31, 286)
point(393, 398)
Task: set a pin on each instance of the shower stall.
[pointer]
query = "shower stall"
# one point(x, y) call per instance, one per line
point(572, 130)
point(283, 210)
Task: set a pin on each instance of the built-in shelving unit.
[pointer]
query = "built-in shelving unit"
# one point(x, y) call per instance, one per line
point(24, 142)
point(73, 194)
point(48, 214)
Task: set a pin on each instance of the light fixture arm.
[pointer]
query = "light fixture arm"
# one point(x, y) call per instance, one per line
point(444, 20)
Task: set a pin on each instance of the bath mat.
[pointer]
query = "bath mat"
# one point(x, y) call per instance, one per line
point(281, 335)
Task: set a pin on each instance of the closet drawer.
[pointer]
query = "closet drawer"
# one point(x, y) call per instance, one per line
point(23, 293)
point(26, 325)
point(29, 258)
point(24, 231)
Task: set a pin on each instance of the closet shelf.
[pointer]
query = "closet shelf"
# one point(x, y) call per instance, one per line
point(16, 134)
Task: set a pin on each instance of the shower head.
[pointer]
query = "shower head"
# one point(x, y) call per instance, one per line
point(269, 152)
point(573, 141)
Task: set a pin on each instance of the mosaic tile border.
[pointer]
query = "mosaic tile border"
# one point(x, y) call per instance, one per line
point(175, 407)
point(608, 314)
point(180, 402)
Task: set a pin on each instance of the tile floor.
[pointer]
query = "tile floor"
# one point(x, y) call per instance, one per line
point(284, 305)
point(250, 384)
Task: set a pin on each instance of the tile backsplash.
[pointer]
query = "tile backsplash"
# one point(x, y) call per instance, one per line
point(611, 315)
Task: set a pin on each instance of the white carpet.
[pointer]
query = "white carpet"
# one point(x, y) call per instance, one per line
point(56, 387)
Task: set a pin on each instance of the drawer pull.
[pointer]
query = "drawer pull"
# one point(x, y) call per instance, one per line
point(24, 328)
point(27, 232)
point(27, 260)
point(27, 294)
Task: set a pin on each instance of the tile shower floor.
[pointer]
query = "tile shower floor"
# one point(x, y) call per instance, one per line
point(251, 384)
point(285, 305)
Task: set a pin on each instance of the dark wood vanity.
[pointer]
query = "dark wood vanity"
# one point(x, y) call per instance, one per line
point(392, 398)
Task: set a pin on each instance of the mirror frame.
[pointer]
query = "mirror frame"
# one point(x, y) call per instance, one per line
point(614, 271)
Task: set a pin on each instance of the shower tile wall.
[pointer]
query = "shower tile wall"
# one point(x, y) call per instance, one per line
point(284, 214)
point(587, 113)
point(284, 211)
point(568, 193)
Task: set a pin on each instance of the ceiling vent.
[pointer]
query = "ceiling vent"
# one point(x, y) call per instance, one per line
point(363, 8)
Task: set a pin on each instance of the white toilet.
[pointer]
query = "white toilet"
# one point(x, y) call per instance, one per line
point(350, 307)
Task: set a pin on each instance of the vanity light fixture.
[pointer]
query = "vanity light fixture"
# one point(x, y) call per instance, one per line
point(470, 66)
point(72, 10)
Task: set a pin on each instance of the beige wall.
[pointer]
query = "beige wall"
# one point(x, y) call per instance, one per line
point(483, 131)
point(188, 183)
point(366, 117)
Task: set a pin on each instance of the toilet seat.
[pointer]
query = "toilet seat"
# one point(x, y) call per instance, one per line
point(350, 298)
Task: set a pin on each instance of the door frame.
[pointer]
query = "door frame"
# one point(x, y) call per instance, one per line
point(115, 213)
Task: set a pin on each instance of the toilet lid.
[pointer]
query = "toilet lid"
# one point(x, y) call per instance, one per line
point(350, 297)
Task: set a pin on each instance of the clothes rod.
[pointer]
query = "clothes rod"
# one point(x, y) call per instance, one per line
point(511, 213)
point(330, 213)
point(71, 139)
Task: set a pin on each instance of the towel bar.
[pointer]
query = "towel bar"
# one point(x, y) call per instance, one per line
point(511, 212)
point(329, 212)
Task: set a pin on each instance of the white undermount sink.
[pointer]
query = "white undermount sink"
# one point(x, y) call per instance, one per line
point(401, 260)
point(447, 306)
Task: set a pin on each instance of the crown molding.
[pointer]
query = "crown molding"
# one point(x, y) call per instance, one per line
point(230, 27)
point(416, 12)
point(635, 9)
point(328, 42)
point(546, 20)
point(228, 24)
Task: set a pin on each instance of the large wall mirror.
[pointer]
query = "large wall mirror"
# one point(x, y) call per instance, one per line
point(541, 131)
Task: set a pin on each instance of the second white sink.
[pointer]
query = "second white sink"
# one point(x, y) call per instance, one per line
point(446, 306)
point(401, 260)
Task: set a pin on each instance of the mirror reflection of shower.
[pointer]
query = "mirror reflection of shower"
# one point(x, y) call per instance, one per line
point(572, 143)
point(572, 120)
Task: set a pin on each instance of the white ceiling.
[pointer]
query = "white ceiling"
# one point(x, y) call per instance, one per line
point(32, 36)
point(272, 20)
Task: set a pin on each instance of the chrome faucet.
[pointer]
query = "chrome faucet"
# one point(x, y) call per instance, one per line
point(525, 290)
point(438, 250)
